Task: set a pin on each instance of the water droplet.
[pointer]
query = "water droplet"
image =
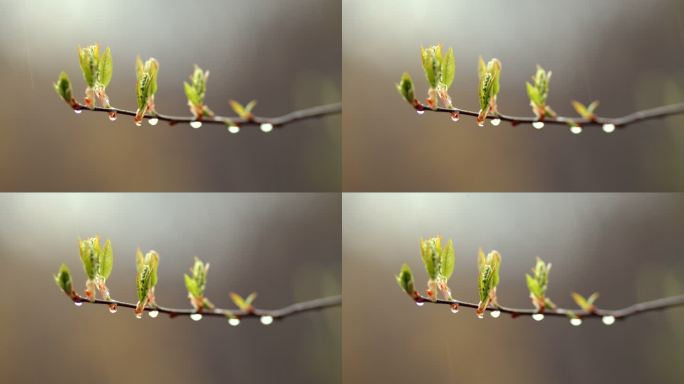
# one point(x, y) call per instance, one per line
point(454, 308)
point(77, 111)
point(196, 124)
point(233, 129)
point(608, 319)
point(538, 316)
point(153, 121)
point(138, 315)
point(112, 309)
point(234, 321)
point(576, 129)
point(196, 316)
point(420, 111)
point(138, 123)
point(608, 128)
point(576, 321)
point(112, 116)
point(480, 315)
point(153, 313)
point(266, 127)
point(78, 303)
point(538, 124)
point(480, 123)
point(455, 116)
point(495, 314)
point(496, 122)
point(420, 303)
point(266, 320)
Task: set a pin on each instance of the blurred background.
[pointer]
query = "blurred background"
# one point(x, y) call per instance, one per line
point(625, 53)
point(286, 247)
point(625, 246)
point(285, 54)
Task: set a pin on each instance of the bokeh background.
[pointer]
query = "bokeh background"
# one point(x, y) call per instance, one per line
point(626, 53)
point(286, 247)
point(285, 54)
point(625, 246)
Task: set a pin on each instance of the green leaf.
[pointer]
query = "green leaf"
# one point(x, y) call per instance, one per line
point(585, 112)
point(88, 59)
point(432, 64)
point(447, 260)
point(485, 282)
point(143, 282)
point(485, 91)
point(488, 273)
point(533, 286)
point(405, 280)
point(190, 93)
point(90, 251)
point(143, 91)
point(106, 260)
point(448, 69)
point(104, 68)
point(405, 88)
point(63, 280)
point(152, 260)
point(430, 255)
point(243, 304)
point(63, 87)
point(587, 305)
point(241, 111)
point(191, 286)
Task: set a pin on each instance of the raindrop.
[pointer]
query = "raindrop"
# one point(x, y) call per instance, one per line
point(576, 129)
point(153, 313)
point(195, 124)
point(480, 123)
point(480, 315)
point(495, 314)
point(496, 122)
point(608, 127)
point(153, 121)
point(112, 309)
point(538, 124)
point(266, 127)
point(608, 319)
point(77, 111)
point(234, 321)
point(576, 321)
point(538, 316)
point(138, 123)
point(454, 308)
point(196, 316)
point(420, 303)
point(233, 129)
point(78, 303)
point(420, 111)
point(138, 315)
point(455, 116)
point(266, 320)
point(112, 116)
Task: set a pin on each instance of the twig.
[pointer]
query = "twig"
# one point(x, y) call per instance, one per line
point(276, 122)
point(617, 122)
point(274, 314)
point(616, 314)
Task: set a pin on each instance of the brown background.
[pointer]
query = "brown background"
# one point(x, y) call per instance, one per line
point(285, 54)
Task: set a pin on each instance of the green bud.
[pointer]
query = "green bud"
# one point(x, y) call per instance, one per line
point(538, 284)
point(244, 112)
point(587, 112)
point(488, 86)
point(195, 92)
point(405, 88)
point(538, 93)
point(587, 304)
point(63, 88)
point(143, 281)
point(63, 280)
point(405, 280)
point(242, 303)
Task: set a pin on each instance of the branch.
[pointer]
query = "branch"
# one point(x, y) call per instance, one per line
point(265, 123)
point(607, 315)
point(265, 315)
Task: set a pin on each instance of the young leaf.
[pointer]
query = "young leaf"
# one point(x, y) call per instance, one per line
point(63, 280)
point(195, 91)
point(63, 88)
point(90, 250)
point(405, 88)
point(430, 255)
point(88, 59)
point(106, 259)
point(538, 283)
point(447, 260)
point(488, 88)
point(405, 280)
point(587, 304)
point(191, 286)
point(104, 68)
point(538, 93)
point(244, 112)
point(585, 112)
point(243, 304)
point(432, 64)
point(448, 69)
point(143, 283)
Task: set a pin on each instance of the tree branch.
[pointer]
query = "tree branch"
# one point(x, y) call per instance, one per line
point(616, 314)
point(617, 122)
point(272, 314)
point(258, 121)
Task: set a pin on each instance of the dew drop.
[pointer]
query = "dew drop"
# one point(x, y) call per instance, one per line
point(112, 309)
point(496, 122)
point(420, 111)
point(608, 128)
point(78, 303)
point(495, 314)
point(266, 320)
point(153, 121)
point(455, 116)
point(538, 316)
point(234, 321)
point(196, 316)
point(576, 321)
point(420, 303)
point(77, 111)
point(266, 127)
point(608, 319)
point(480, 315)
point(153, 314)
point(138, 315)
point(576, 129)
point(538, 124)
point(480, 123)
point(454, 308)
point(138, 123)
point(233, 129)
point(112, 116)
point(196, 124)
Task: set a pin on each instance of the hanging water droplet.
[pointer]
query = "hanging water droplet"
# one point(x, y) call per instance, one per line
point(138, 315)
point(608, 127)
point(112, 116)
point(233, 129)
point(480, 315)
point(77, 111)
point(455, 116)
point(608, 319)
point(481, 123)
point(153, 313)
point(576, 129)
point(112, 309)
point(266, 320)
point(78, 303)
point(153, 121)
point(495, 122)
point(576, 321)
point(454, 308)
point(420, 303)
point(196, 124)
point(234, 321)
point(495, 314)
point(420, 111)
point(138, 123)
point(538, 124)
point(196, 316)
point(266, 127)
point(538, 316)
